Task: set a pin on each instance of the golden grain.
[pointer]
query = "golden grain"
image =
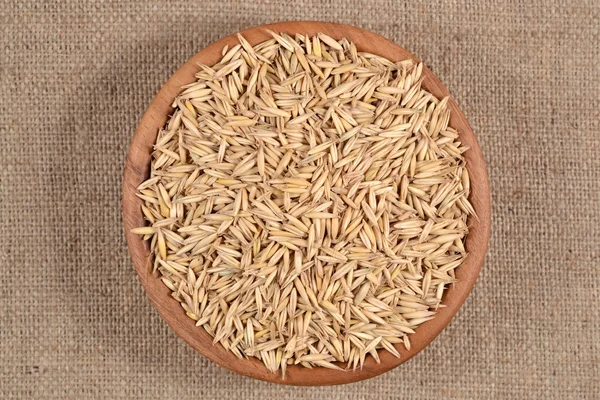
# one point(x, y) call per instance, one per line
point(307, 202)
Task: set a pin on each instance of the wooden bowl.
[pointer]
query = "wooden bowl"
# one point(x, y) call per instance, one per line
point(137, 170)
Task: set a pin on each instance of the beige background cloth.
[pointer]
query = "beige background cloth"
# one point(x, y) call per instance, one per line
point(75, 79)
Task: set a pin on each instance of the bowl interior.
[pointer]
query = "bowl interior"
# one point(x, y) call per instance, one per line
point(137, 170)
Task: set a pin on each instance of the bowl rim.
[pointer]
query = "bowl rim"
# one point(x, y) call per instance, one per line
point(137, 169)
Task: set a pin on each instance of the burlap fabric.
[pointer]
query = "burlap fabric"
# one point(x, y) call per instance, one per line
point(75, 78)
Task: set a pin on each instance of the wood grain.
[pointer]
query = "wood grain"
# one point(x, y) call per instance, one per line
point(137, 169)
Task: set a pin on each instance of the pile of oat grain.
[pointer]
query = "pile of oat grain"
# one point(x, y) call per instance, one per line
point(307, 202)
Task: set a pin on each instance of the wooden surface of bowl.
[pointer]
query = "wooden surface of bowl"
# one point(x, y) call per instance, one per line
point(137, 170)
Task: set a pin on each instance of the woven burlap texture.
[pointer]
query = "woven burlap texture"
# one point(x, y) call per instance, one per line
point(75, 79)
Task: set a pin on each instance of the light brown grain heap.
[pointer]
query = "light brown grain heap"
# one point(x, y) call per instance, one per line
point(307, 202)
